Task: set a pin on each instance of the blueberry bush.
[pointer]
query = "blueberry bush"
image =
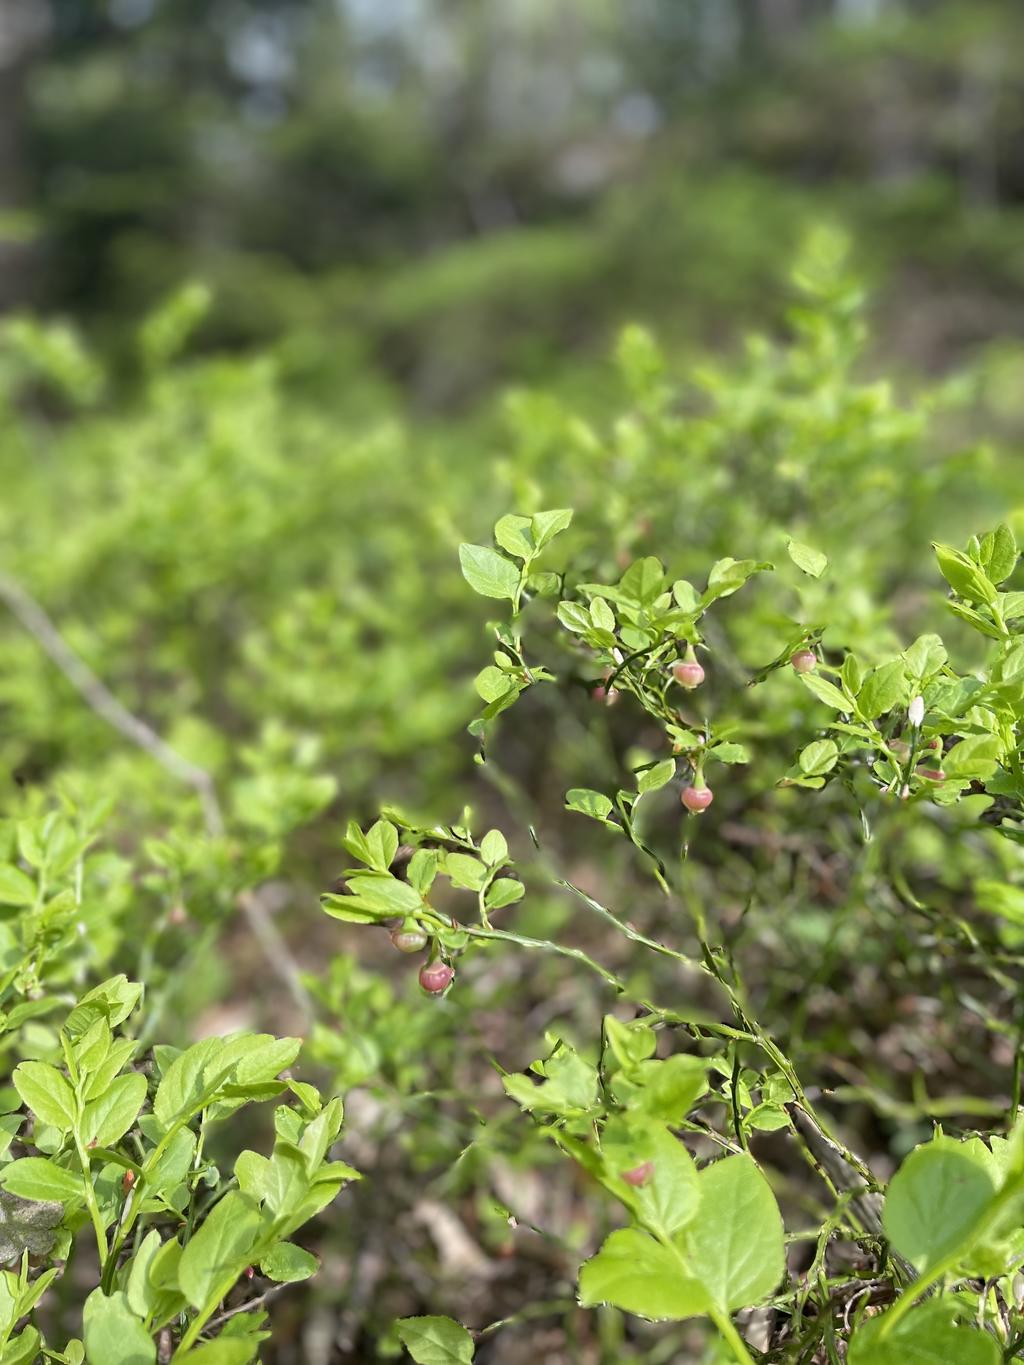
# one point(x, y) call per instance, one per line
point(897, 741)
point(674, 1006)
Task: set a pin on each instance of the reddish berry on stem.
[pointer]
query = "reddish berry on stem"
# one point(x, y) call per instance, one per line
point(409, 940)
point(436, 977)
point(697, 798)
point(639, 1175)
point(688, 673)
point(804, 661)
point(608, 695)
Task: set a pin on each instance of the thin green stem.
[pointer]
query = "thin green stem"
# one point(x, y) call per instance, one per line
point(727, 1328)
point(132, 1213)
point(718, 1316)
point(90, 1199)
point(547, 946)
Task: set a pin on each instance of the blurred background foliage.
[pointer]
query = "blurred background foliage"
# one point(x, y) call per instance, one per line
point(297, 295)
point(453, 192)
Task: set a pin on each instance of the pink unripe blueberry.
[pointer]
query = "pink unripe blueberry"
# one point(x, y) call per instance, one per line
point(639, 1175)
point(609, 695)
point(804, 661)
point(436, 977)
point(409, 940)
point(697, 798)
point(688, 673)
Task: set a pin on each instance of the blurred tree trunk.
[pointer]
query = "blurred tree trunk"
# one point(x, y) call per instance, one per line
point(23, 26)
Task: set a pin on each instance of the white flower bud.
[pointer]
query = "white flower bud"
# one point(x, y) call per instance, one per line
point(915, 712)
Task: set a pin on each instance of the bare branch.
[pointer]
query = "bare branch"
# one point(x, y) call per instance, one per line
point(100, 699)
point(105, 704)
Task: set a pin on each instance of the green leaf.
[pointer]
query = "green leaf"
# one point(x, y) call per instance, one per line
point(884, 688)
point(642, 581)
point(465, 871)
point(10, 1126)
point(686, 596)
point(494, 848)
point(514, 535)
point(382, 845)
point(737, 1245)
point(487, 572)
point(602, 615)
point(654, 778)
point(975, 620)
point(372, 897)
point(825, 691)
point(47, 1093)
point(181, 1087)
point(422, 869)
point(173, 1166)
point(727, 575)
point(435, 1341)
point(493, 683)
point(319, 1135)
point(264, 1058)
point(504, 891)
point(354, 840)
point(15, 887)
point(727, 752)
point(963, 575)
point(27, 1225)
point(669, 1199)
point(569, 1086)
point(22, 1349)
point(112, 1000)
point(627, 1044)
point(671, 1088)
point(818, 757)
point(547, 525)
point(926, 1336)
point(925, 656)
point(587, 802)
point(224, 1350)
point(999, 553)
point(93, 1047)
point(574, 617)
point(113, 1334)
point(637, 1274)
point(106, 1119)
point(544, 583)
point(812, 562)
point(977, 756)
point(351, 909)
point(140, 1293)
point(220, 1250)
point(1000, 898)
point(33, 1177)
point(935, 1202)
point(852, 674)
point(287, 1264)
